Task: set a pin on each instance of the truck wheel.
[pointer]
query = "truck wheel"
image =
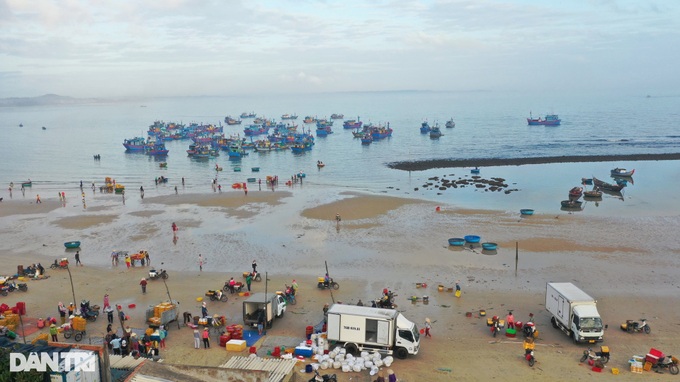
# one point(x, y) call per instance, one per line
point(553, 322)
point(402, 353)
point(351, 349)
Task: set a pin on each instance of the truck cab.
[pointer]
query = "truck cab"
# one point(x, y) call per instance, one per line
point(586, 324)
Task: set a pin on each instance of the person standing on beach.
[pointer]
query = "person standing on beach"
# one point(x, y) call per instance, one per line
point(249, 279)
point(206, 339)
point(109, 314)
point(78, 259)
point(260, 323)
point(107, 303)
point(428, 326)
point(37, 199)
point(254, 266)
point(197, 339)
point(62, 312)
point(174, 229)
point(510, 320)
point(143, 284)
point(53, 333)
point(128, 261)
point(182, 181)
point(148, 259)
point(176, 190)
point(200, 262)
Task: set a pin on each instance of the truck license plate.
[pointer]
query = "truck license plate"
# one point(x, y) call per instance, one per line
point(591, 341)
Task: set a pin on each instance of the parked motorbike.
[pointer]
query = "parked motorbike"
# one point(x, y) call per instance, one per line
point(217, 295)
point(323, 378)
point(238, 286)
point(154, 274)
point(600, 356)
point(322, 284)
point(635, 327)
point(60, 264)
point(255, 275)
point(88, 312)
point(11, 287)
point(529, 356)
point(289, 296)
point(667, 362)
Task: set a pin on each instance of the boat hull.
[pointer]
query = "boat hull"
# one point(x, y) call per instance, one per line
point(489, 246)
point(72, 244)
point(526, 212)
point(457, 241)
point(472, 239)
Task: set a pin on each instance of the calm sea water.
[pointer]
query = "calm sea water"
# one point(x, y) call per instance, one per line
point(488, 125)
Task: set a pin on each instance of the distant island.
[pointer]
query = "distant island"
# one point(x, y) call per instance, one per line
point(47, 99)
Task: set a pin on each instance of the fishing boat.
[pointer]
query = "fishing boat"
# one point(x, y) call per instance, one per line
point(289, 116)
point(622, 172)
point(592, 194)
point(135, 144)
point(248, 115)
point(309, 119)
point(72, 244)
point(475, 170)
point(156, 148)
point(571, 203)
point(576, 192)
point(337, 116)
point(608, 186)
point(44, 128)
point(489, 246)
point(450, 124)
point(255, 169)
point(472, 239)
point(587, 181)
point(435, 132)
point(320, 164)
point(366, 139)
point(237, 169)
point(526, 212)
point(252, 180)
point(352, 124)
point(231, 121)
point(425, 128)
point(549, 120)
point(457, 241)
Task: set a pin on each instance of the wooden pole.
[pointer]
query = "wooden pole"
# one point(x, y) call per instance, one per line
point(516, 256)
point(330, 288)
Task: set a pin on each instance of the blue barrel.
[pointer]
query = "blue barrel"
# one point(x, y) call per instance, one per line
point(308, 368)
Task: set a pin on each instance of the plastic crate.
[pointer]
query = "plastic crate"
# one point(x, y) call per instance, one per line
point(647, 366)
point(615, 371)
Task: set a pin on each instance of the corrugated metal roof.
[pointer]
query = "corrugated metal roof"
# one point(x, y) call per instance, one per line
point(146, 378)
point(278, 368)
point(125, 363)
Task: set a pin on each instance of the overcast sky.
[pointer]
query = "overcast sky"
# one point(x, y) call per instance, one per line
point(100, 48)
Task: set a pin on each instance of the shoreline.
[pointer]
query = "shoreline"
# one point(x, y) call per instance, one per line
point(495, 162)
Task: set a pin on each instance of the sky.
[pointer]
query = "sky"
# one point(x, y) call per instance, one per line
point(147, 48)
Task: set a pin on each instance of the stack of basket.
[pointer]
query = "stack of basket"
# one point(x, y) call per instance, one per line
point(162, 307)
point(79, 324)
point(235, 332)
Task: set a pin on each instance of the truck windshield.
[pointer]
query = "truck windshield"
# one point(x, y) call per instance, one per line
point(591, 323)
point(410, 335)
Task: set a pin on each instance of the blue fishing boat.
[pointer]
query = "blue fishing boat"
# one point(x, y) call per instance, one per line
point(450, 124)
point(549, 120)
point(72, 244)
point(252, 180)
point(255, 169)
point(457, 241)
point(367, 139)
point(475, 170)
point(472, 239)
point(425, 128)
point(156, 149)
point(489, 246)
point(237, 169)
point(526, 211)
point(135, 144)
point(352, 124)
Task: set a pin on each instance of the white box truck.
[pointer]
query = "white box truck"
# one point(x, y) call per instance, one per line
point(359, 328)
point(574, 312)
point(270, 305)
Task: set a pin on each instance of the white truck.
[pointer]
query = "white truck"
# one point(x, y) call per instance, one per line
point(574, 312)
point(269, 305)
point(360, 328)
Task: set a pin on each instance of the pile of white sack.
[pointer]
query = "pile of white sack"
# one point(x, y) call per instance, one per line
point(339, 359)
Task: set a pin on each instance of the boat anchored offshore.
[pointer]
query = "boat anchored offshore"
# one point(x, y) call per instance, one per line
point(549, 120)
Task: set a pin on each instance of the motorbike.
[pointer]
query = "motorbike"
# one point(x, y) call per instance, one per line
point(323, 378)
point(668, 362)
point(635, 327)
point(255, 275)
point(11, 287)
point(217, 295)
point(385, 302)
point(289, 296)
point(87, 312)
point(322, 284)
point(600, 356)
point(495, 327)
point(238, 286)
point(60, 264)
point(161, 274)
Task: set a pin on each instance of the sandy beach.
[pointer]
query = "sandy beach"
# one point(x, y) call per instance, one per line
point(628, 264)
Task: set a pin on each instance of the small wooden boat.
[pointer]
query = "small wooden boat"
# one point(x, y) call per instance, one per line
point(237, 169)
point(571, 203)
point(472, 239)
point(450, 124)
point(489, 246)
point(255, 169)
point(320, 164)
point(526, 211)
point(163, 165)
point(301, 174)
point(457, 241)
point(576, 192)
point(608, 186)
point(252, 180)
point(27, 184)
point(622, 172)
point(595, 193)
point(475, 170)
point(72, 244)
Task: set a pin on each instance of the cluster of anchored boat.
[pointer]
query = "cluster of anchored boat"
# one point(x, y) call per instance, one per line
point(621, 177)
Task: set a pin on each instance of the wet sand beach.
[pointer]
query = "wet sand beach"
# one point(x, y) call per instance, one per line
point(628, 264)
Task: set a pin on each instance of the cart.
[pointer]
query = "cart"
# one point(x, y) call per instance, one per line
point(77, 329)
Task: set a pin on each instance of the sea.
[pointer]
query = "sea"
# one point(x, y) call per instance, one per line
point(489, 124)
